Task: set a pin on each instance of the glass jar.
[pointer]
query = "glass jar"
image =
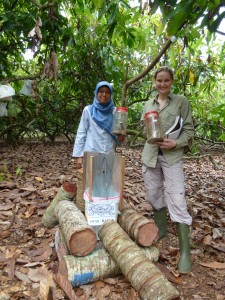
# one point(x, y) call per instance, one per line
point(120, 120)
point(153, 127)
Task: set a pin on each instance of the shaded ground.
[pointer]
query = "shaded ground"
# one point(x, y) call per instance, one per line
point(30, 176)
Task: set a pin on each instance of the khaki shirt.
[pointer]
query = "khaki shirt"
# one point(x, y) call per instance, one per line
point(176, 105)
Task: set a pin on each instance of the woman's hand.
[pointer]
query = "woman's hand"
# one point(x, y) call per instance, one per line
point(167, 144)
point(78, 163)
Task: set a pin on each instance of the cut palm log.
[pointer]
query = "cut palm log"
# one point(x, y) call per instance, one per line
point(142, 274)
point(80, 203)
point(61, 246)
point(142, 230)
point(66, 192)
point(95, 266)
point(80, 237)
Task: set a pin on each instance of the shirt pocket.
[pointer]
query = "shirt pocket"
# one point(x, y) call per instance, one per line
point(169, 118)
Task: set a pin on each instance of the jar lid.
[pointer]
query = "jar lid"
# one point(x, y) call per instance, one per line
point(122, 109)
point(151, 112)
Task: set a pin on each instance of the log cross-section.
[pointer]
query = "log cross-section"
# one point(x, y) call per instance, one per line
point(142, 230)
point(80, 237)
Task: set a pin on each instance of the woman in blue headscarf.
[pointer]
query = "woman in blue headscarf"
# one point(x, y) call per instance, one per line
point(94, 133)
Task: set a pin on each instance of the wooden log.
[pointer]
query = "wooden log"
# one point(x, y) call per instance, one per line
point(62, 251)
point(95, 266)
point(142, 230)
point(80, 203)
point(61, 246)
point(66, 192)
point(80, 237)
point(142, 274)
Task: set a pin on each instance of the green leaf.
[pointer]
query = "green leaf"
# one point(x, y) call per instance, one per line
point(13, 109)
point(112, 15)
point(19, 170)
point(214, 26)
point(175, 23)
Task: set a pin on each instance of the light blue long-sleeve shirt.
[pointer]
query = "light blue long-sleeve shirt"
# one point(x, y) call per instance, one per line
point(90, 137)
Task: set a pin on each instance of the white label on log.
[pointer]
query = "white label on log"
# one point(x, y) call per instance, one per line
point(98, 213)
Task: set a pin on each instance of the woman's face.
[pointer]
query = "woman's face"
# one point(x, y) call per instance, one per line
point(163, 82)
point(104, 94)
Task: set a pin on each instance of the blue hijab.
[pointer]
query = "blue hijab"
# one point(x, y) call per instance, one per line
point(102, 114)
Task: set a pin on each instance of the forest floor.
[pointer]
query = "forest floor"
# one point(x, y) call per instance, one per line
point(30, 175)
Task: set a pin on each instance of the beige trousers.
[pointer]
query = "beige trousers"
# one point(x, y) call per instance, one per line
point(165, 187)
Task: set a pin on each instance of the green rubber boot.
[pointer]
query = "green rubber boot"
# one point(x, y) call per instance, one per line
point(184, 264)
point(160, 218)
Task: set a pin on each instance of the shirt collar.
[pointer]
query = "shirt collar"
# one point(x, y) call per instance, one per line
point(170, 96)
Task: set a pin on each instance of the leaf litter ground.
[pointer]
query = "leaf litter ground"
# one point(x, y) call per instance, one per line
point(30, 177)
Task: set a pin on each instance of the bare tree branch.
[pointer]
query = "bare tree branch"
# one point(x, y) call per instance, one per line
point(16, 78)
point(220, 32)
point(144, 72)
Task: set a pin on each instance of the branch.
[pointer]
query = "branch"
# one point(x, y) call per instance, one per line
point(40, 6)
point(141, 100)
point(220, 32)
point(12, 79)
point(145, 72)
point(210, 141)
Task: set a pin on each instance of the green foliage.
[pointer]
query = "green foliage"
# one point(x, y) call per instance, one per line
point(2, 177)
point(19, 170)
point(108, 40)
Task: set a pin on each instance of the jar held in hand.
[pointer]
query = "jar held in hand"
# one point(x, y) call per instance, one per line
point(153, 127)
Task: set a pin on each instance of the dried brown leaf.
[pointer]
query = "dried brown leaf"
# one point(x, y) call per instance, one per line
point(10, 268)
point(213, 265)
point(207, 240)
point(132, 295)
point(29, 212)
point(111, 281)
point(38, 33)
point(4, 234)
point(23, 277)
point(64, 283)
point(45, 285)
point(168, 274)
point(99, 284)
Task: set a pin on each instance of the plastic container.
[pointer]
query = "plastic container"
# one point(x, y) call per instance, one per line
point(153, 127)
point(120, 120)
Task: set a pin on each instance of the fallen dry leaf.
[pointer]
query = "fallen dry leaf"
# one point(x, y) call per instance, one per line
point(23, 277)
point(4, 234)
point(132, 295)
point(39, 179)
point(207, 240)
point(214, 265)
point(45, 285)
point(64, 283)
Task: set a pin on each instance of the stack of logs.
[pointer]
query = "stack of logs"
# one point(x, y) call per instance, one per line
point(125, 247)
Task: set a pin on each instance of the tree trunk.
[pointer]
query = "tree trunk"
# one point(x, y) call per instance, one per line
point(80, 237)
point(66, 192)
point(95, 266)
point(143, 275)
point(141, 229)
